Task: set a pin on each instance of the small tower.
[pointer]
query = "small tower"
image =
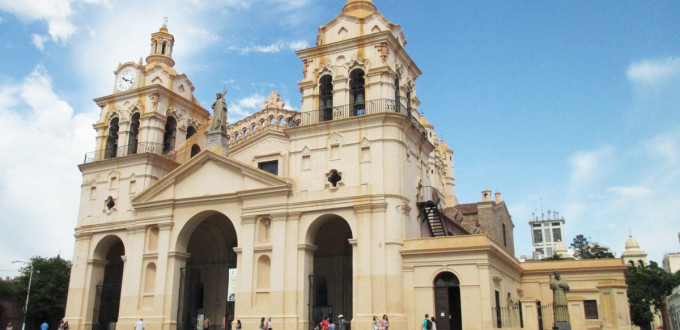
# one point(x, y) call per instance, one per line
point(634, 256)
point(161, 47)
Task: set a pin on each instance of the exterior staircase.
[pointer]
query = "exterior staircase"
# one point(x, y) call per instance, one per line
point(431, 211)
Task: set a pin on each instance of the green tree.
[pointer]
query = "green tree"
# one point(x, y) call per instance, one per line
point(580, 245)
point(649, 286)
point(583, 249)
point(49, 287)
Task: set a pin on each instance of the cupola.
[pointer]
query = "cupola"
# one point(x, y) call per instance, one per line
point(359, 8)
point(161, 47)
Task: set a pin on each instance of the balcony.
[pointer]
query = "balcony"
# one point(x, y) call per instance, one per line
point(357, 110)
point(126, 150)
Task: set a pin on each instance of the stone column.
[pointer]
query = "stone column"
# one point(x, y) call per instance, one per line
point(217, 142)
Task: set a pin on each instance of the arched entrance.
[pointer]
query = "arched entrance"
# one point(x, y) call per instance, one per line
point(110, 252)
point(447, 302)
point(204, 280)
point(331, 280)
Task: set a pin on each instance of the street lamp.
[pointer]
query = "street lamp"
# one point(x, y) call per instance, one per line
point(28, 293)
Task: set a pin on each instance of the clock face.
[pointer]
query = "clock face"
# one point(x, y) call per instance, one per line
point(125, 80)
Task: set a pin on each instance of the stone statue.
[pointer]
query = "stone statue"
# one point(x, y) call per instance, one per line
point(560, 309)
point(219, 121)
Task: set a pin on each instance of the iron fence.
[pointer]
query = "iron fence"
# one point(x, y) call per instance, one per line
point(546, 317)
point(356, 110)
point(509, 316)
point(125, 150)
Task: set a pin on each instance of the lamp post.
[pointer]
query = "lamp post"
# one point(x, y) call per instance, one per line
point(28, 292)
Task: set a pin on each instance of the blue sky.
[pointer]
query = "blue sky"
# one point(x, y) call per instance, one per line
point(573, 106)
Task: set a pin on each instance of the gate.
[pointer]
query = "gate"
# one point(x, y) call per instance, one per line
point(106, 306)
point(186, 309)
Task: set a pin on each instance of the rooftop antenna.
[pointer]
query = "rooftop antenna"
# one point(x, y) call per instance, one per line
point(540, 199)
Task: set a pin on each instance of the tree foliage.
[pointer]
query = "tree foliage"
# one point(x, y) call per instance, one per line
point(648, 286)
point(49, 287)
point(583, 249)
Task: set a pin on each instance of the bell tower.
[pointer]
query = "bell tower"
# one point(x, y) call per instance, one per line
point(161, 47)
point(148, 126)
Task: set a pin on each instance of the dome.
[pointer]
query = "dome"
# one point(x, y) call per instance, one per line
point(632, 244)
point(359, 8)
point(443, 147)
point(424, 122)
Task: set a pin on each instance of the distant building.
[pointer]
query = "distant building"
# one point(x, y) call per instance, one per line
point(546, 232)
point(633, 255)
point(671, 263)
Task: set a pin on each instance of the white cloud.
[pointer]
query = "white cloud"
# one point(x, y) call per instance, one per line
point(272, 48)
point(654, 71)
point(246, 106)
point(42, 141)
point(57, 14)
point(629, 192)
point(589, 167)
point(39, 41)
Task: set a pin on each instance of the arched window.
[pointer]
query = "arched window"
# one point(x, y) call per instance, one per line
point(163, 49)
point(326, 98)
point(640, 264)
point(155, 47)
point(631, 263)
point(190, 132)
point(112, 140)
point(272, 120)
point(397, 95)
point(357, 96)
point(245, 132)
point(408, 100)
point(195, 149)
point(170, 133)
point(254, 128)
point(280, 121)
point(236, 137)
point(134, 134)
point(263, 123)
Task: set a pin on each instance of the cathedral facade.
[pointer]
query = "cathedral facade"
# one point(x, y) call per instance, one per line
point(346, 207)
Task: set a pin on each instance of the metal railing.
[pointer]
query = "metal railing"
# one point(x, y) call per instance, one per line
point(429, 194)
point(355, 110)
point(125, 150)
point(509, 316)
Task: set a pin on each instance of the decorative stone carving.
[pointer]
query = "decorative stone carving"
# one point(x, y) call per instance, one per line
point(155, 99)
point(384, 51)
point(274, 101)
point(305, 67)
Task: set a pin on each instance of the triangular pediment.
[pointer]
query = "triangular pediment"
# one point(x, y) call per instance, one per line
point(209, 175)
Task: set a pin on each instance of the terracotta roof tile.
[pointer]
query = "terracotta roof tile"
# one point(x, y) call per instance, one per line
point(466, 209)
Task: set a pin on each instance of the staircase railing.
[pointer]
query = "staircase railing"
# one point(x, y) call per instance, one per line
point(429, 204)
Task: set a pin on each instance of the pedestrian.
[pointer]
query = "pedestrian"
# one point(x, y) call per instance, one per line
point(342, 324)
point(206, 323)
point(427, 324)
point(269, 323)
point(324, 324)
point(376, 323)
point(9, 326)
point(434, 323)
point(61, 324)
point(385, 322)
point(238, 324)
point(66, 325)
point(262, 324)
point(331, 326)
point(44, 326)
point(139, 325)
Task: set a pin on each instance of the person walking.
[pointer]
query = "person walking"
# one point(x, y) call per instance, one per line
point(44, 326)
point(238, 324)
point(324, 324)
point(269, 323)
point(385, 323)
point(66, 327)
point(9, 326)
point(206, 323)
point(427, 324)
point(262, 324)
point(331, 325)
point(342, 323)
point(376, 323)
point(139, 325)
point(434, 323)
